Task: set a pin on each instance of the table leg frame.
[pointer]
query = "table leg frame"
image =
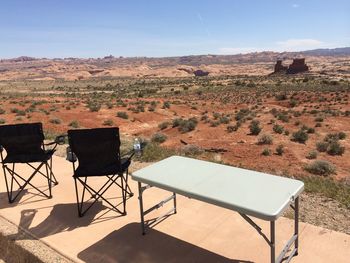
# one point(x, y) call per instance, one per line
point(147, 224)
point(271, 242)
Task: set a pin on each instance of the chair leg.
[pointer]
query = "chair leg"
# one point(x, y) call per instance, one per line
point(98, 195)
point(48, 175)
point(21, 187)
point(128, 190)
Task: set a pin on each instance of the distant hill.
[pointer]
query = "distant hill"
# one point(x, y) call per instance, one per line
point(343, 51)
point(333, 62)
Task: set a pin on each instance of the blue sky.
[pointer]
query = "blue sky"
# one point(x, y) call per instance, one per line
point(76, 28)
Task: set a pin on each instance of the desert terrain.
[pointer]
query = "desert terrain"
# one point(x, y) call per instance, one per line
point(240, 114)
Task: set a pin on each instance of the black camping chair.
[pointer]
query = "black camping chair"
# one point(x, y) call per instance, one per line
point(98, 154)
point(24, 143)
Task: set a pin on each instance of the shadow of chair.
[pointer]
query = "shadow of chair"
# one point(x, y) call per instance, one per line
point(61, 219)
point(128, 245)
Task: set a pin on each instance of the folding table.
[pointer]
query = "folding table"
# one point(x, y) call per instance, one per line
point(247, 192)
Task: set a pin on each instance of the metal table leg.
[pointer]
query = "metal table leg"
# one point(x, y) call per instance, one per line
point(272, 241)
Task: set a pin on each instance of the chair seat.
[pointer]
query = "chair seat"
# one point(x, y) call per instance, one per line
point(29, 158)
point(105, 170)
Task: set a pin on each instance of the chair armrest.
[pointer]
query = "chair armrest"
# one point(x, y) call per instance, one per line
point(129, 155)
point(61, 139)
point(71, 157)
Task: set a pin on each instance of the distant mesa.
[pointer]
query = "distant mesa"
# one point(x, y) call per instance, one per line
point(298, 65)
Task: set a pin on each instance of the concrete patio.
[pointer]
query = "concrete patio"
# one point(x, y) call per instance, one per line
point(199, 232)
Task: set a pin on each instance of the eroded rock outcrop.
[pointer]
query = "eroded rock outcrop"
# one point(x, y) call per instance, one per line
point(297, 66)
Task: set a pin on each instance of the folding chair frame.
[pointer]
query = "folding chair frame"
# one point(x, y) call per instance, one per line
point(98, 195)
point(49, 175)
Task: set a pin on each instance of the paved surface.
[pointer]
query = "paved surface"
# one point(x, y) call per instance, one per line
point(197, 233)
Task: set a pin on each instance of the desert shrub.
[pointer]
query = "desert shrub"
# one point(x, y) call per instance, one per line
point(320, 167)
point(334, 148)
point(163, 125)
point(20, 113)
point(191, 150)
point(283, 117)
point(55, 121)
point(214, 123)
point(224, 119)
point(166, 105)
point(94, 106)
point(319, 119)
point(317, 125)
point(216, 115)
point(280, 149)
point(2, 121)
point(159, 137)
point(286, 132)
point(2, 111)
point(14, 110)
point(266, 152)
point(322, 146)
point(281, 96)
point(293, 103)
point(153, 152)
point(254, 127)
point(278, 128)
point(177, 122)
point(109, 105)
point(265, 139)
point(122, 114)
point(311, 155)
point(232, 128)
point(188, 125)
point(74, 124)
point(310, 130)
point(300, 136)
point(335, 136)
point(108, 122)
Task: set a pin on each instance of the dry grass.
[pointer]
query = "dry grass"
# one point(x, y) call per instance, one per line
point(10, 252)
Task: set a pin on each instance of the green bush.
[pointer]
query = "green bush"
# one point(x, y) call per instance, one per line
point(163, 125)
point(278, 128)
point(254, 127)
point(280, 149)
point(74, 124)
point(322, 146)
point(334, 148)
point(122, 114)
point(2, 121)
point(159, 137)
point(300, 136)
point(265, 139)
point(108, 122)
point(153, 152)
point(311, 155)
point(55, 121)
point(266, 152)
point(188, 125)
point(320, 167)
point(2, 111)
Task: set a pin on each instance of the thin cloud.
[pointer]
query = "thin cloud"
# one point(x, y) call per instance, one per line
point(201, 20)
point(295, 5)
point(238, 50)
point(299, 44)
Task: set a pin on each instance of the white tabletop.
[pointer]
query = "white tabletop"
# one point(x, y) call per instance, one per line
point(249, 192)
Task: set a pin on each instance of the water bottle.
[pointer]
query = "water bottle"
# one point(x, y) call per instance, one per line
point(137, 147)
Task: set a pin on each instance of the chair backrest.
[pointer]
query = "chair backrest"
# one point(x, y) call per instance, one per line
point(22, 139)
point(95, 148)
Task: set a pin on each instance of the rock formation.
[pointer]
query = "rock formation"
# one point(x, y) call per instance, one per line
point(279, 67)
point(297, 66)
point(200, 73)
